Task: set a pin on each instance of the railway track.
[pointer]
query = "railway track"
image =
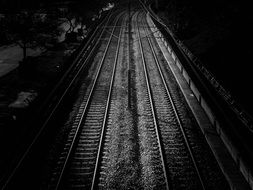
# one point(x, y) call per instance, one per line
point(130, 126)
point(81, 159)
point(57, 95)
point(169, 150)
point(181, 143)
point(162, 106)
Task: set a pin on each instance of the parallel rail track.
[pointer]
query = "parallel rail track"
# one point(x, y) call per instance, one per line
point(180, 146)
point(58, 93)
point(159, 109)
point(151, 112)
point(86, 138)
point(169, 147)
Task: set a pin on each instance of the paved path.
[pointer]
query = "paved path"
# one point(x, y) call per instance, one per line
point(10, 57)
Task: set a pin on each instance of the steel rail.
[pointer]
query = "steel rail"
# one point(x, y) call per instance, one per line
point(94, 180)
point(81, 54)
point(9, 178)
point(175, 112)
point(152, 106)
point(85, 108)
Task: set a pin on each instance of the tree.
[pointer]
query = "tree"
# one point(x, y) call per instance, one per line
point(81, 14)
point(30, 29)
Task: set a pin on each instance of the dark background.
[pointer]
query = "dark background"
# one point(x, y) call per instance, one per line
point(219, 33)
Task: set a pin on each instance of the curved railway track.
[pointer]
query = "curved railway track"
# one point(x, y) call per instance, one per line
point(182, 145)
point(86, 138)
point(151, 119)
point(162, 106)
point(169, 152)
point(130, 127)
point(58, 93)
